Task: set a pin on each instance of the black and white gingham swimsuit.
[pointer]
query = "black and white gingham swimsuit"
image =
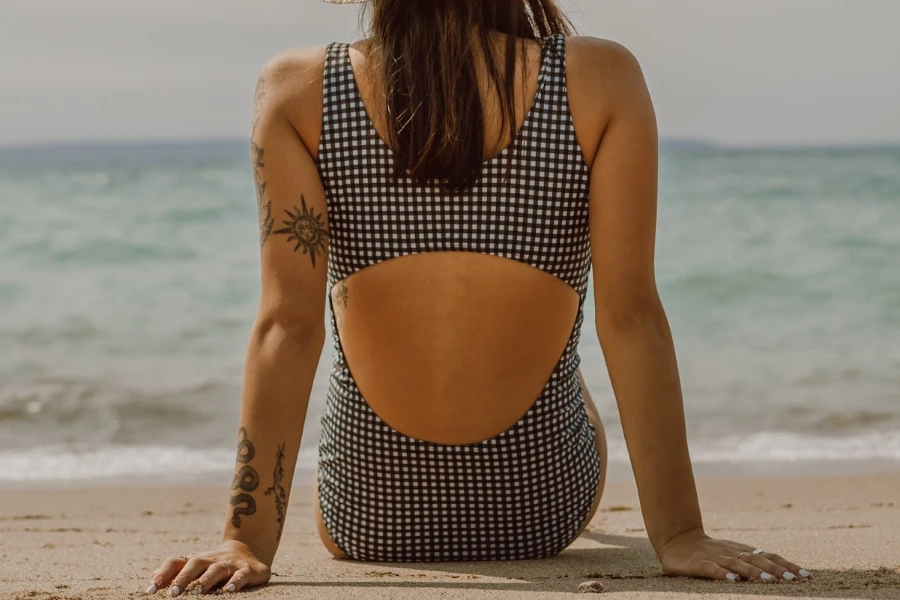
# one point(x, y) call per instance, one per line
point(525, 492)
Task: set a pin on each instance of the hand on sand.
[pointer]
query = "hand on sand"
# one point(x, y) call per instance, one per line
point(233, 565)
point(695, 554)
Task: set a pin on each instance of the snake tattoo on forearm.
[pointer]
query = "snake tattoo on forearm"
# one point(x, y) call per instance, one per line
point(246, 480)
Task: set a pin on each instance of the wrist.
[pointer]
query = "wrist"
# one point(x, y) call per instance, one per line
point(690, 533)
point(243, 545)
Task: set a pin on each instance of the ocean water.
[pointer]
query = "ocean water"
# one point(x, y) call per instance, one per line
point(129, 282)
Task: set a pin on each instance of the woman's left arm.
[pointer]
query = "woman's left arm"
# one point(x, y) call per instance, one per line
point(637, 342)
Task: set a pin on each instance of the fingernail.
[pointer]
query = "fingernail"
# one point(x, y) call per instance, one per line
point(151, 589)
point(197, 591)
point(767, 577)
point(175, 591)
point(231, 588)
point(731, 577)
point(790, 576)
point(803, 573)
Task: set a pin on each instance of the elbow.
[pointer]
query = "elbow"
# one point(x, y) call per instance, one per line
point(637, 315)
point(280, 329)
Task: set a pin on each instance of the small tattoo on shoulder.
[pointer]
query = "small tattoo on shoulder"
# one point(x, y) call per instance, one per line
point(342, 293)
point(257, 153)
point(264, 209)
point(263, 205)
point(258, 96)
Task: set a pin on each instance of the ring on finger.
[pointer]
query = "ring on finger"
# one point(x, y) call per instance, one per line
point(741, 555)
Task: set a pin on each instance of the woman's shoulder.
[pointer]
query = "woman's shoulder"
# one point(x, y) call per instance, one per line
point(295, 71)
point(605, 82)
point(290, 87)
point(600, 55)
point(291, 82)
point(603, 69)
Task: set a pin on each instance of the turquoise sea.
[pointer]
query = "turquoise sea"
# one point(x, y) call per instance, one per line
point(129, 281)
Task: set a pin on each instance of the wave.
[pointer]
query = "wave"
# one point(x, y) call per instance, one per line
point(89, 413)
point(120, 463)
point(131, 463)
point(787, 447)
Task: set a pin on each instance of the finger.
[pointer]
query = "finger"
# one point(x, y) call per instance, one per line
point(711, 570)
point(215, 574)
point(777, 572)
point(163, 576)
point(787, 566)
point(747, 571)
point(241, 579)
point(191, 571)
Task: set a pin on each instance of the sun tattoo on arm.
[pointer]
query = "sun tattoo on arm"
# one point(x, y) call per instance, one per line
point(263, 205)
point(307, 228)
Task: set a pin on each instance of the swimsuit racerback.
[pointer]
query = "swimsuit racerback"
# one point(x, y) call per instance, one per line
point(521, 494)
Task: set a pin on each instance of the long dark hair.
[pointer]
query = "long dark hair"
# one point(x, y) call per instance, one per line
point(433, 110)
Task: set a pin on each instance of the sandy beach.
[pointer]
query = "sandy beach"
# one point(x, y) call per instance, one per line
point(66, 544)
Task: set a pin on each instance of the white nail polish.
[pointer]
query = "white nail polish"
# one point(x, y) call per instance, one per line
point(731, 577)
point(175, 591)
point(152, 589)
point(767, 577)
point(231, 588)
point(803, 573)
point(790, 576)
point(197, 591)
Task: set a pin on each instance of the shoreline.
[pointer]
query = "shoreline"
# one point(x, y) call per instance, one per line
point(103, 542)
point(618, 472)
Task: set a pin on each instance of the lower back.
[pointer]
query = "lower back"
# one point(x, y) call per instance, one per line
point(453, 347)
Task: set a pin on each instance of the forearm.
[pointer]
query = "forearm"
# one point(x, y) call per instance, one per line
point(280, 368)
point(640, 356)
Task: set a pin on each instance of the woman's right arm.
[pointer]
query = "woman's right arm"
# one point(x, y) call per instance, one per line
point(284, 349)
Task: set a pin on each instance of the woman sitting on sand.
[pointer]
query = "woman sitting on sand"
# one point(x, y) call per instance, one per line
point(450, 181)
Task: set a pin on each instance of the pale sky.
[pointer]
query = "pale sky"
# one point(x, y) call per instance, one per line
point(733, 71)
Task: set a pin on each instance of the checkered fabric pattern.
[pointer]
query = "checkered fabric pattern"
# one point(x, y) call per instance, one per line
point(525, 492)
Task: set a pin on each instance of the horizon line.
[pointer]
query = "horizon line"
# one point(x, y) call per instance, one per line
point(686, 142)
